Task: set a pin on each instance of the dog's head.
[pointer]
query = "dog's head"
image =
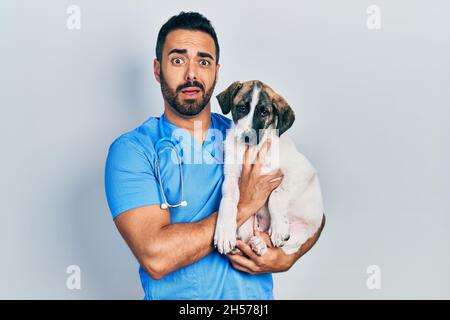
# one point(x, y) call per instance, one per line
point(254, 107)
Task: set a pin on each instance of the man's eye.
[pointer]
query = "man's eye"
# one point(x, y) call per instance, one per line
point(205, 62)
point(177, 60)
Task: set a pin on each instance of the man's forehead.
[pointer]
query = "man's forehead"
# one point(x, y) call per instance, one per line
point(191, 40)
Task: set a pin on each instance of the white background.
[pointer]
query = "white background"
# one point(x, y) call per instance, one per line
point(372, 112)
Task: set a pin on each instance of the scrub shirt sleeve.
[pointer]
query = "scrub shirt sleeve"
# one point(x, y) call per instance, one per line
point(129, 178)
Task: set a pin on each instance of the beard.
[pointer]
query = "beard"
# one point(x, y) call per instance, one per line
point(188, 107)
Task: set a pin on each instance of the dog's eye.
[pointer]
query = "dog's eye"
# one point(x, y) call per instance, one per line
point(242, 108)
point(264, 112)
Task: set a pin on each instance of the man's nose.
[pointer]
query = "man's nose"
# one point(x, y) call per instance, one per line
point(191, 72)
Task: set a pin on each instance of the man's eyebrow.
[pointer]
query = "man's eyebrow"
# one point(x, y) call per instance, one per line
point(199, 54)
point(205, 55)
point(180, 51)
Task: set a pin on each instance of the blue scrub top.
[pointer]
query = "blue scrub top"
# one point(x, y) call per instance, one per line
point(130, 182)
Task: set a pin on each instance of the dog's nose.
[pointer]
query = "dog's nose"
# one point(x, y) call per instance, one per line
point(249, 137)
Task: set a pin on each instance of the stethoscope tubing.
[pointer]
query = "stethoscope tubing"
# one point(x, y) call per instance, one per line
point(174, 144)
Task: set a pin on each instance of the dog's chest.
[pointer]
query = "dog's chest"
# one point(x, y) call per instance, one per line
point(271, 159)
point(235, 156)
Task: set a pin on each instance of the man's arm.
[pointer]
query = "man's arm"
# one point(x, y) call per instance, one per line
point(161, 247)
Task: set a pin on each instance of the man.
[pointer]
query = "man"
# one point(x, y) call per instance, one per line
point(174, 246)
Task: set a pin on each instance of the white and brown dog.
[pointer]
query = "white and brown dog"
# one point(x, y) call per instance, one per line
point(294, 210)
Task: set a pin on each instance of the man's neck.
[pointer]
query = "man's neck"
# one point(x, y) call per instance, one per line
point(187, 123)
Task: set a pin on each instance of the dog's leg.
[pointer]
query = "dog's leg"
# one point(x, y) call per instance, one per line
point(300, 232)
point(225, 233)
point(297, 178)
point(226, 226)
point(279, 220)
point(245, 232)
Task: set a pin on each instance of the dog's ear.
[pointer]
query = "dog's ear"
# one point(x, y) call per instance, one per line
point(226, 97)
point(286, 115)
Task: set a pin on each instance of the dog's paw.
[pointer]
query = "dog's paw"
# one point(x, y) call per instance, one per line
point(258, 245)
point(279, 232)
point(237, 251)
point(225, 237)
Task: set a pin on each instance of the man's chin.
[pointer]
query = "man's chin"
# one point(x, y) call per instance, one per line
point(188, 110)
point(189, 102)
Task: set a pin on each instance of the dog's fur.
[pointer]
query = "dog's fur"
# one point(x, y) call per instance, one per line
point(294, 210)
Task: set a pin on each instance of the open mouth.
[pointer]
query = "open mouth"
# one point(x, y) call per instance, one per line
point(190, 92)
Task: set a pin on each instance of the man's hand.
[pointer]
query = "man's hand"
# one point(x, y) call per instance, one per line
point(255, 187)
point(274, 260)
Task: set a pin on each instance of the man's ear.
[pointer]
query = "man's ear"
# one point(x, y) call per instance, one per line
point(286, 115)
point(226, 97)
point(157, 70)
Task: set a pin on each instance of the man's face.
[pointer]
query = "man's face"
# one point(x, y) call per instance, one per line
point(188, 71)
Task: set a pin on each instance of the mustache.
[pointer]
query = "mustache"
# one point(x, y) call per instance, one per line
point(190, 84)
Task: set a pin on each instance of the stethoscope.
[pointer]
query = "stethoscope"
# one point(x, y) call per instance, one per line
point(174, 145)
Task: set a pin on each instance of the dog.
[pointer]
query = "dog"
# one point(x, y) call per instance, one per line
point(293, 212)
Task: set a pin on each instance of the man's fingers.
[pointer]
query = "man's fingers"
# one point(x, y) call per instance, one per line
point(275, 184)
point(236, 251)
point(263, 151)
point(276, 174)
point(272, 180)
point(243, 261)
point(247, 160)
point(246, 250)
point(262, 154)
point(237, 266)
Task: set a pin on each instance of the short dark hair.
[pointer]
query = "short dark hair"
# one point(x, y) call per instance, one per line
point(186, 21)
